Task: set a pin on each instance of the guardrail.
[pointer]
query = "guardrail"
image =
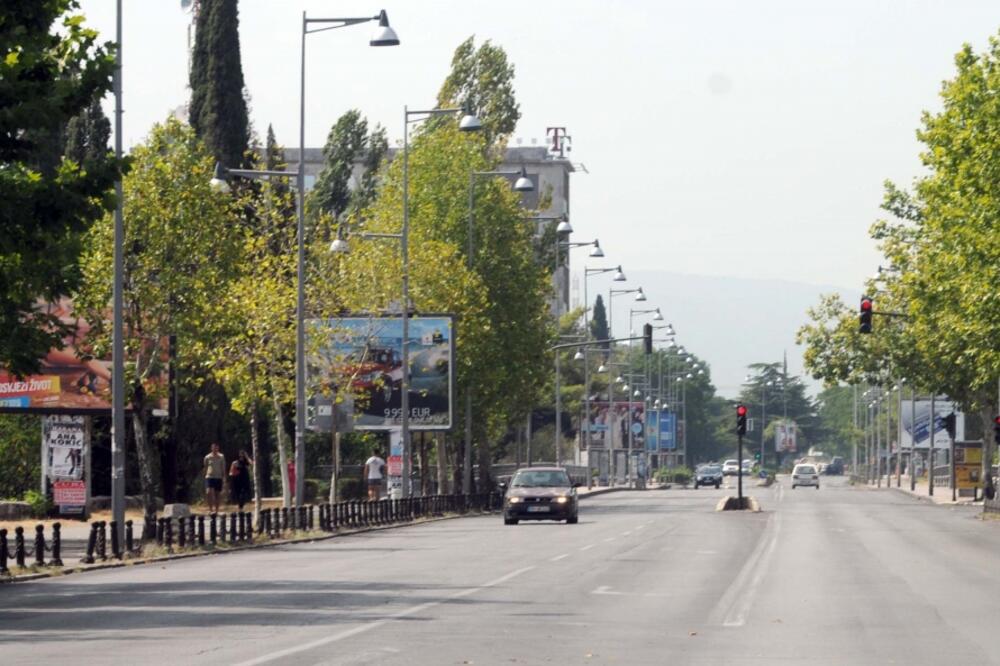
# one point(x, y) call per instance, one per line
point(237, 528)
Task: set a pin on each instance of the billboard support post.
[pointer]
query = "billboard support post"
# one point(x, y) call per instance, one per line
point(930, 448)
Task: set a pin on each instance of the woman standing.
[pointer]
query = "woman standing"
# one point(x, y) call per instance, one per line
point(240, 485)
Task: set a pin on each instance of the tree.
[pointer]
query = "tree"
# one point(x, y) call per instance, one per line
point(218, 109)
point(599, 321)
point(943, 243)
point(48, 75)
point(20, 435)
point(182, 249)
point(87, 135)
point(348, 145)
point(482, 81)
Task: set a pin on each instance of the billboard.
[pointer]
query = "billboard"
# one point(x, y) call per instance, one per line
point(785, 434)
point(918, 434)
point(668, 431)
point(599, 424)
point(363, 356)
point(652, 430)
point(69, 381)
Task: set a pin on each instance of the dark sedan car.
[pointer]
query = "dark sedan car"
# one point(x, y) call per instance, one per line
point(540, 493)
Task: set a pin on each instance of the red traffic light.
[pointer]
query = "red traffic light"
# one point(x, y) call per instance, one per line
point(741, 410)
point(996, 420)
point(866, 304)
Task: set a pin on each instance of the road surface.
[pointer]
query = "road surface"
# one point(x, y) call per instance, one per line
point(835, 576)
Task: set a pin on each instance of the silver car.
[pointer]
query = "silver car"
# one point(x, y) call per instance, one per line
point(805, 475)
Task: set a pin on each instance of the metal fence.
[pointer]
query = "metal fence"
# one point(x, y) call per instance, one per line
point(237, 528)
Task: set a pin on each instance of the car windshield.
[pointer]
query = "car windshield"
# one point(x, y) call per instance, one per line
point(709, 469)
point(805, 469)
point(541, 479)
point(731, 462)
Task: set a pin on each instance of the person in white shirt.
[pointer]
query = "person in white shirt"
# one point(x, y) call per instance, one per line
point(374, 468)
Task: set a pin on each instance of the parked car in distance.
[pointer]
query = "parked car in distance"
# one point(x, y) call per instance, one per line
point(747, 466)
point(708, 475)
point(836, 466)
point(540, 493)
point(731, 467)
point(805, 474)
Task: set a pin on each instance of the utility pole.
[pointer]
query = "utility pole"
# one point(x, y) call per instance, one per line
point(930, 449)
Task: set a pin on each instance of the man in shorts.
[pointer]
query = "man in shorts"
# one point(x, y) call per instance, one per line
point(374, 468)
point(215, 472)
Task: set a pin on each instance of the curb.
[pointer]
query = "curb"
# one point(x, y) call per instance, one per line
point(603, 491)
point(930, 500)
point(77, 569)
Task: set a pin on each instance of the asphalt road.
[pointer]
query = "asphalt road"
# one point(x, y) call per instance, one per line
point(835, 576)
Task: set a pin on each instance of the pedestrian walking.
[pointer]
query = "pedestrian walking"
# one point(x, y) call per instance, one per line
point(215, 471)
point(374, 468)
point(240, 483)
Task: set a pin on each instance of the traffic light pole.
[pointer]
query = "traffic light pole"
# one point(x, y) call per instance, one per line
point(739, 473)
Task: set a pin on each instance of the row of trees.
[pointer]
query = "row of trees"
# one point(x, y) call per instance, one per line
point(942, 244)
point(210, 277)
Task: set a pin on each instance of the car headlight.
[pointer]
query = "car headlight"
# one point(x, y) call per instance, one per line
point(514, 500)
point(562, 500)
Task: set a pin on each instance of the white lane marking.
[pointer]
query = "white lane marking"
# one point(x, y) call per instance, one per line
point(609, 540)
point(626, 533)
point(733, 607)
point(640, 527)
point(406, 612)
point(706, 552)
point(587, 547)
point(559, 557)
point(606, 589)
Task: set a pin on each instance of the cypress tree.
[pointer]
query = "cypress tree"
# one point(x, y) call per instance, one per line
point(599, 320)
point(87, 135)
point(218, 111)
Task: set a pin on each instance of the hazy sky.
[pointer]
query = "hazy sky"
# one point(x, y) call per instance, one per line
point(745, 139)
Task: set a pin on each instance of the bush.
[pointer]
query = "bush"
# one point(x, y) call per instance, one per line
point(350, 489)
point(679, 475)
point(40, 504)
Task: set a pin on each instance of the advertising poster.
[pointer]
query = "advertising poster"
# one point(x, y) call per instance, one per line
point(69, 380)
point(668, 430)
point(364, 354)
point(64, 440)
point(638, 429)
point(918, 434)
point(785, 438)
point(599, 424)
point(652, 430)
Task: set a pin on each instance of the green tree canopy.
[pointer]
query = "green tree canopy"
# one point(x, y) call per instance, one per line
point(52, 68)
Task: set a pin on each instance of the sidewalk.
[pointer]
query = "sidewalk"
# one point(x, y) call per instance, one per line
point(942, 494)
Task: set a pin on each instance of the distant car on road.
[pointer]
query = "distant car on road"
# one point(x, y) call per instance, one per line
point(805, 475)
point(836, 466)
point(540, 493)
point(708, 475)
point(747, 466)
point(731, 467)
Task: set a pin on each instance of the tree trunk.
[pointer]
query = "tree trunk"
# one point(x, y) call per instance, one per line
point(442, 465)
point(485, 459)
point(144, 454)
point(989, 446)
point(422, 457)
point(335, 458)
point(255, 444)
point(279, 419)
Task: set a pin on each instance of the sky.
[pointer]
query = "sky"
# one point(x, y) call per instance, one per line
point(720, 138)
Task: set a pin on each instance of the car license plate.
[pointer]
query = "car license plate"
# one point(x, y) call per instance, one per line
point(538, 509)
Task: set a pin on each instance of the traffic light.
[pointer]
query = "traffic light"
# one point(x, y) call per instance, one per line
point(741, 420)
point(996, 430)
point(949, 425)
point(647, 338)
point(866, 315)
point(756, 456)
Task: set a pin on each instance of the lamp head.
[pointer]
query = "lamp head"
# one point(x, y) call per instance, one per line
point(578, 356)
point(597, 251)
point(619, 276)
point(219, 182)
point(564, 227)
point(470, 122)
point(658, 316)
point(384, 35)
point(340, 246)
point(641, 296)
point(602, 368)
point(523, 183)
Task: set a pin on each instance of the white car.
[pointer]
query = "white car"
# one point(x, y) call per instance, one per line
point(805, 475)
point(731, 467)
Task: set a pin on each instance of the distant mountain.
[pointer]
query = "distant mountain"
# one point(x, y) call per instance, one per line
point(730, 322)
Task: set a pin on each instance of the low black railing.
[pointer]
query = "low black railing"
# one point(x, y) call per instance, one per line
point(236, 528)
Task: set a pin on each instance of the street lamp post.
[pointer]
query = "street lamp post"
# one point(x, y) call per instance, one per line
point(384, 36)
point(118, 326)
